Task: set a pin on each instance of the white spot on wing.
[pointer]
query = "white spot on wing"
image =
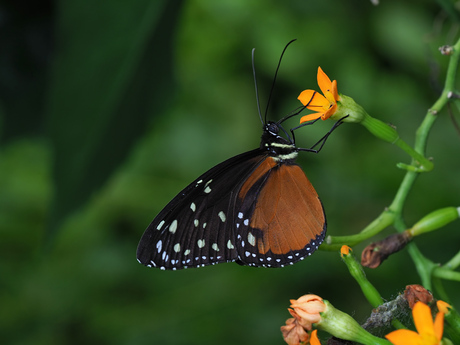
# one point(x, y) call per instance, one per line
point(246, 222)
point(193, 206)
point(177, 247)
point(230, 245)
point(251, 239)
point(196, 222)
point(173, 226)
point(215, 247)
point(207, 190)
point(160, 225)
point(200, 243)
point(159, 245)
point(240, 215)
point(222, 216)
point(187, 252)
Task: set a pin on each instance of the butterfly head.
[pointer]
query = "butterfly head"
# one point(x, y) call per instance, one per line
point(278, 147)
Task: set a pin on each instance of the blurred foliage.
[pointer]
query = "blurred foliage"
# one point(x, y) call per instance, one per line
point(108, 109)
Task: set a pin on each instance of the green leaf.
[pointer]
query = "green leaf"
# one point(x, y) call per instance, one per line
point(112, 75)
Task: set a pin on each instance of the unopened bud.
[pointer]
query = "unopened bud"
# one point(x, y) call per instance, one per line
point(375, 253)
point(435, 220)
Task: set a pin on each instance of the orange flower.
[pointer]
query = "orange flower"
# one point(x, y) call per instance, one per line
point(429, 332)
point(308, 308)
point(325, 106)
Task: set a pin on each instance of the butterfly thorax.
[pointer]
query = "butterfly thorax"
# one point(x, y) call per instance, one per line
point(278, 147)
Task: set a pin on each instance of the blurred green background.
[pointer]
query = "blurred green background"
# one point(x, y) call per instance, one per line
point(108, 109)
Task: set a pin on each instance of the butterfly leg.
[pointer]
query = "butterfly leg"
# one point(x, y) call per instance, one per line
point(321, 141)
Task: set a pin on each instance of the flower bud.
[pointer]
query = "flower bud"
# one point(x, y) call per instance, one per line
point(435, 220)
point(308, 308)
point(375, 253)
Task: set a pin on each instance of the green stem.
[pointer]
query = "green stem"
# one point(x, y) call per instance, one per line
point(424, 266)
point(393, 215)
point(403, 190)
point(440, 290)
point(385, 219)
point(453, 263)
point(424, 164)
point(447, 274)
point(356, 271)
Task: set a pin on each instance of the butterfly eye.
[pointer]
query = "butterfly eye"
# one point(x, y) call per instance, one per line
point(272, 128)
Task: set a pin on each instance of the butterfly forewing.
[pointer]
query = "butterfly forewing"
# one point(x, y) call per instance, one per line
point(197, 227)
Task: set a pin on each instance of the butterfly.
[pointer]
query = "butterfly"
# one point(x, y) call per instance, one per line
point(257, 209)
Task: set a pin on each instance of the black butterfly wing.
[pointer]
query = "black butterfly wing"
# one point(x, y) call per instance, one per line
point(280, 217)
point(197, 228)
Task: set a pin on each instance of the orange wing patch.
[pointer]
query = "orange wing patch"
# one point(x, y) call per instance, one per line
point(257, 174)
point(287, 225)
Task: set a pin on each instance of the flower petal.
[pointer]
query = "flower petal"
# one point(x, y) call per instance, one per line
point(310, 117)
point(306, 96)
point(293, 333)
point(422, 318)
point(314, 338)
point(404, 337)
point(443, 306)
point(309, 307)
point(312, 99)
point(439, 325)
point(324, 82)
point(334, 90)
point(331, 111)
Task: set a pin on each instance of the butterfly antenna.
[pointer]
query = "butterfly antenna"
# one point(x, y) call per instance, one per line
point(274, 79)
point(255, 85)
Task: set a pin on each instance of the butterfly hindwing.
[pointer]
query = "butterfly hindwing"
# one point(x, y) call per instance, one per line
point(274, 231)
point(197, 227)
